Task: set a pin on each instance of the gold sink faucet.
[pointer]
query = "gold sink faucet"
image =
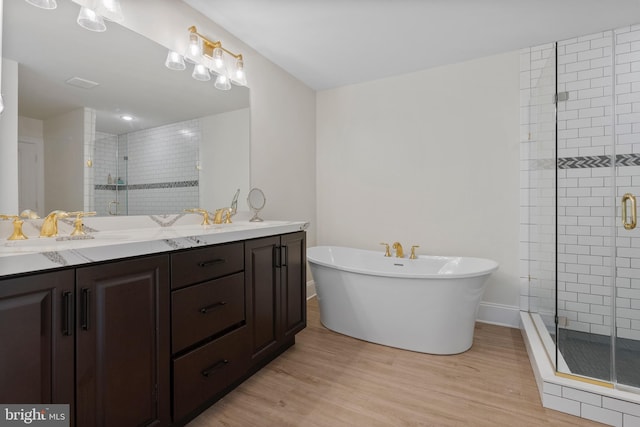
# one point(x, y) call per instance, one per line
point(50, 224)
point(222, 215)
point(203, 212)
point(398, 248)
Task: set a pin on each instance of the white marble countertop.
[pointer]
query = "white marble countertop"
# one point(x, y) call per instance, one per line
point(111, 238)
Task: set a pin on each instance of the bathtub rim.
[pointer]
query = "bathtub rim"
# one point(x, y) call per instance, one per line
point(492, 265)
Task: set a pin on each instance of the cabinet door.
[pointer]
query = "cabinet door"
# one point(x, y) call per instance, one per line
point(36, 339)
point(263, 294)
point(122, 366)
point(294, 284)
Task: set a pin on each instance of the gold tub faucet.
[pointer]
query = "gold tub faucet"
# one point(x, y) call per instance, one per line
point(50, 224)
point(398, 248)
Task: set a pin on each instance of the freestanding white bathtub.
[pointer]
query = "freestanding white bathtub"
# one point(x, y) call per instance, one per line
point(427, 304)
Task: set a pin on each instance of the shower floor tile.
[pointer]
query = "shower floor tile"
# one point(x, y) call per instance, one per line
point(590, 355)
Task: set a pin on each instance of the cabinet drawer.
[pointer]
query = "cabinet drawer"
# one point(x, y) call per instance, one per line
point(203, 310)
point(201, 374)
point(207, 263)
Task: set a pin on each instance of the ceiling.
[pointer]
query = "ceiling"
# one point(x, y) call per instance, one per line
point(331, 43)
point(50, 48)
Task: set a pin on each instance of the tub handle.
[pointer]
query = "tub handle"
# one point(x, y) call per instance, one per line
point(387, 252)
point(634, 219)
point(413, 252)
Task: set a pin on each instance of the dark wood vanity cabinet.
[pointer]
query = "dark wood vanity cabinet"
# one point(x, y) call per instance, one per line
point(150, 341)
point(122, 339)
point(275, 272)
point(208, 324)
point(37, 338)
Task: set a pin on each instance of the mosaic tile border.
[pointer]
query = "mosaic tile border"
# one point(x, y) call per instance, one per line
point(153, 186)
point(584, 162)
point(598, 161)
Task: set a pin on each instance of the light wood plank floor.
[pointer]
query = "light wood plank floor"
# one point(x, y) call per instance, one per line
point(328, 379)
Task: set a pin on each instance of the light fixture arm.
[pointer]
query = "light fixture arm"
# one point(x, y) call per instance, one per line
point(209, 46)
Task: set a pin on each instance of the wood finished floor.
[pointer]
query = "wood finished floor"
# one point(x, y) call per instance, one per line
point(332, 380)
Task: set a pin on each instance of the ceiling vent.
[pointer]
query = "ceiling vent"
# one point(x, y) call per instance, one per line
point(82, 83)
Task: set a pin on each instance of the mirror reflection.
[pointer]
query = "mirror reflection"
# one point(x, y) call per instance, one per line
point(104, 125)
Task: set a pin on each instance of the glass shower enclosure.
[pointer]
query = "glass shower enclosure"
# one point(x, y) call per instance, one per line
point(584, 177)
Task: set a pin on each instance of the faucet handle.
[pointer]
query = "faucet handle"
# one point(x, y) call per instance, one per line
point(413, 252)
point(78, 226)
point(29, 214)
point(387, 252)
point(17, 227)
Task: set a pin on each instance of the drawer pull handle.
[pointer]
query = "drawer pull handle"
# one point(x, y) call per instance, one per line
point(84, 323)
point(214, 368)
point(212, 262)
point(209, 308)
point(67, 313)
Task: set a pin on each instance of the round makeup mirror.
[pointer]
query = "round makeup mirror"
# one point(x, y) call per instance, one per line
point(256, 201)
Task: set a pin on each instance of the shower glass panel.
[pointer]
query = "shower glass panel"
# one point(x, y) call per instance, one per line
point(110, 198)
point(542, 190)
point(626, 105)
point(586, 214)
point(584, 163)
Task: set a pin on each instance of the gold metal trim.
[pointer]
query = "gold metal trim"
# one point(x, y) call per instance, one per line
point(584, 379)
point(208, 45)
point(634, 219)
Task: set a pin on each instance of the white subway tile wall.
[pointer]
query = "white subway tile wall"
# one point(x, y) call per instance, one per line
point(105, 164)
point(156, 168)
point(586, 209)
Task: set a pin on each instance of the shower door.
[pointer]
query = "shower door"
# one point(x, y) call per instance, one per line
point(598, 177)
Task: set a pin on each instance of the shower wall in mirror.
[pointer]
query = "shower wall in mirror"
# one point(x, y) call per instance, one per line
point(187, 145)
point(151, 171)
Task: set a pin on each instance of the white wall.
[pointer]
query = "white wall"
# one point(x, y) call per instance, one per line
point(64, 161)
point(430, 159)
point(9, 138)
point(282, 110)
point(225, 144)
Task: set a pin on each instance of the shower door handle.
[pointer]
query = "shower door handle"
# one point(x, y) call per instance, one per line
point(629, 225)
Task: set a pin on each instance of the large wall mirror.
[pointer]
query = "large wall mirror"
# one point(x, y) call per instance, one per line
point(187, 144)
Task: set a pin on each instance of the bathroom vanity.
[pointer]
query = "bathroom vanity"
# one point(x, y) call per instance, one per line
point(149, 331)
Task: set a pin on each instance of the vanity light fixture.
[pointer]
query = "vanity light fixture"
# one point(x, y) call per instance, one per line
point(92, 12)
point(209, 57)
point(44, 4)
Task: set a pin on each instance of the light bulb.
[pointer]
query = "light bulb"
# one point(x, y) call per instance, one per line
point(175, 61)
point(89, 19)
point(239, 77)
point(201, 73)
point(222, 82)
point(111, 10)
point(218, 60)
point(194, 46)
point(44, 4)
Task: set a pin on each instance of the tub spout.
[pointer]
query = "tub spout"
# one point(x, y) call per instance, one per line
point(398, 248)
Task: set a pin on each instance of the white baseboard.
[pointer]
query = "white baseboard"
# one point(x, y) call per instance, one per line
point(499, 314)
point(311, 289)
